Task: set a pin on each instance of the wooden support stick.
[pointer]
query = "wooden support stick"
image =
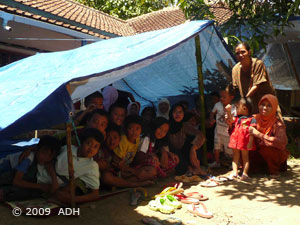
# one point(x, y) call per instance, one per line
point(70, 164)
point(201, 92)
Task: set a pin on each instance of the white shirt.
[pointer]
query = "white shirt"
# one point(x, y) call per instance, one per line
point(144, 144)
point(86, 169)
point(43, 176)
point(221, 125)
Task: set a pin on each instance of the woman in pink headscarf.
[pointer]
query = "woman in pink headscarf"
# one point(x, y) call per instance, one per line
point(270, 136)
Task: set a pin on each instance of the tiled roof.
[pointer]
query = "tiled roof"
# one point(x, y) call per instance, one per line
point(75, 16)
point(69, 14)
point(221, 12)
point(168, 17)
point(172, 16)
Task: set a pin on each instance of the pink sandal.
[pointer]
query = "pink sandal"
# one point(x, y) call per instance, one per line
point(187, 200)
point(196, 195)
point(200, 210)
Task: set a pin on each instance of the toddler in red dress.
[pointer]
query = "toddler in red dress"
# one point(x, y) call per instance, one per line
point(240, 140)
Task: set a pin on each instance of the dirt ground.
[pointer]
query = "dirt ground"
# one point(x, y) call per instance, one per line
point(264, 201)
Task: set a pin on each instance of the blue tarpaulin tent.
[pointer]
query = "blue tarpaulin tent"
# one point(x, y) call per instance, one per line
point(38, 92)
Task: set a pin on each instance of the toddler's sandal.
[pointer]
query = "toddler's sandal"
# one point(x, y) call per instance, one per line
point(172, 201)
point(163, 206)
point(153, 205)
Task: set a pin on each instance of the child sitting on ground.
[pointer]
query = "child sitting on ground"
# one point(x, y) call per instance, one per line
point(86, 170)
point(221, 138)
point(127, 149)
point(33, 176)
point(240, 140)
point(109, 175)
point(154, 148)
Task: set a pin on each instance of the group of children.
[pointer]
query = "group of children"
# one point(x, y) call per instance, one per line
point(120, 148)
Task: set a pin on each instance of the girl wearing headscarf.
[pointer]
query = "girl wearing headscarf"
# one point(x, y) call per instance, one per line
point(163, 108)
point(184, 141)
point(133, 108)
point(270, 136)
point(154, 148)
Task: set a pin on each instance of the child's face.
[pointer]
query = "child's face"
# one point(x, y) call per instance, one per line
point(148, 116)
point(242, 109)
point(133, 132)
point(99, 122)
point(163, 107)
point(113, 139)
point(178, 114)
point(44, 155)
point(134, 110)
point(97, 102)
point(161, 131)
point(265, 108)
point(118, 115)
point(225, 98)
point(89, 148)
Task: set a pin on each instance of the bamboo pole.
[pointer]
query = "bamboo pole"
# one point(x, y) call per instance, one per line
point(70, 163)
point(201, 93)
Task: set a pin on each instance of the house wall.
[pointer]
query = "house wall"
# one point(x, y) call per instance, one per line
point(30, 37)
point(27, 37)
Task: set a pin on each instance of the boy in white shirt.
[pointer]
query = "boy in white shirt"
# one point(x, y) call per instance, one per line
point(86, 170)
point(222, 137)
